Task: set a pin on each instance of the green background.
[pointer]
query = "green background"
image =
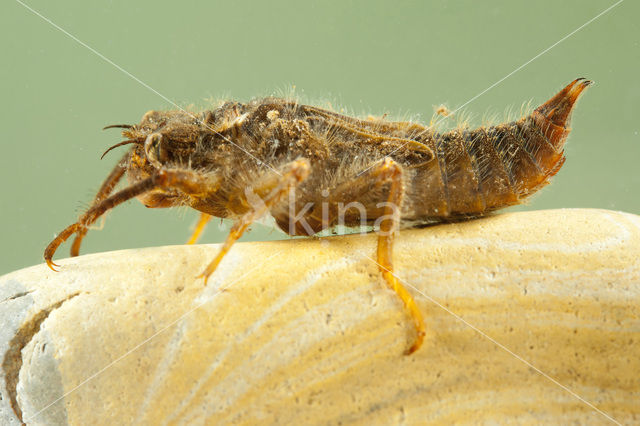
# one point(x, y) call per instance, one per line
point(369, 57)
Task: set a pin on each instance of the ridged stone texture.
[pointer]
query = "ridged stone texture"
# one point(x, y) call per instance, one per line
point(531, 318)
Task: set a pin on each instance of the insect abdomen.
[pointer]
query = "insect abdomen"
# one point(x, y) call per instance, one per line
point(493, 167)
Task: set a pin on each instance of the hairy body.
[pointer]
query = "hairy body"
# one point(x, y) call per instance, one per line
point(313, 169)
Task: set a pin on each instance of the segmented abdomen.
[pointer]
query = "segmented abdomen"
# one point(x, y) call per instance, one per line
point(493, 167)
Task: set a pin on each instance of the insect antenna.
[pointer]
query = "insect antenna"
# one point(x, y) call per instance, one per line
point(127, 142)
point(117, 126)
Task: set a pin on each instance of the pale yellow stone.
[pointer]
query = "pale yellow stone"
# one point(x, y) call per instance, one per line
point(532, 318)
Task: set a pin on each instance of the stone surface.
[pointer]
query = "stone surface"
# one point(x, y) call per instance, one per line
point(532, 317)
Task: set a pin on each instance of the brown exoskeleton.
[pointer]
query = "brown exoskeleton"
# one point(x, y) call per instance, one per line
point(220, 162)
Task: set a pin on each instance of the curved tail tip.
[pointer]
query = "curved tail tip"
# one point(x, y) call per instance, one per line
point(582, 82)
point(558, 108)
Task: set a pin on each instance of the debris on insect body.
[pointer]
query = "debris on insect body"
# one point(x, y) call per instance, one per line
point(443, 111)
point(314, 169)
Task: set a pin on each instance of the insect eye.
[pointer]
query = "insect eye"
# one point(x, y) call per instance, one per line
point(154, 149)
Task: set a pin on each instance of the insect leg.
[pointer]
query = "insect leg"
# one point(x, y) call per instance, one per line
point(367, 190)
point(105, 189)
point(94, 213)
point(185, 181)
point(202, 223)
point(390, 170)
point(293, 173)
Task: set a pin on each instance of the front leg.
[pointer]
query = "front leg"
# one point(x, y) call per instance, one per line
point(275, 188)
point(105, 189)
point(186, 181)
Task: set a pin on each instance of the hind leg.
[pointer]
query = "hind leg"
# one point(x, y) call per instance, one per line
point(380, 192)
point(388, 227)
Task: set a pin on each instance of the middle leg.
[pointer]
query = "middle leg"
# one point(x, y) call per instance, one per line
point(202, 223)
point(276, 189)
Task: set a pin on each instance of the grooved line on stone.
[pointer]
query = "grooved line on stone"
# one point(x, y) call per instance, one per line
point(12, 362)
point(17, 296)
